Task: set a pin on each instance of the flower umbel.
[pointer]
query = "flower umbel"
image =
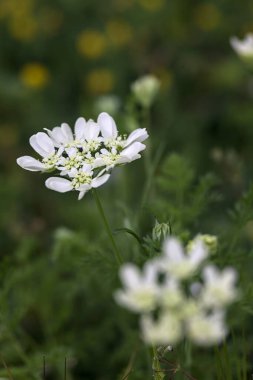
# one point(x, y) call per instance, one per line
point(84, 158)
point(171, 304)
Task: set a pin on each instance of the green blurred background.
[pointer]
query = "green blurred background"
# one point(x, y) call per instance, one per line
point(58, 60)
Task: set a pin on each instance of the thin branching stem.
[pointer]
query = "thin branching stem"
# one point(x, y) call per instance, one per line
point(117, 254)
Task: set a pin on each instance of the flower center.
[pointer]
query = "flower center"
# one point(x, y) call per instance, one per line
point(81, 179)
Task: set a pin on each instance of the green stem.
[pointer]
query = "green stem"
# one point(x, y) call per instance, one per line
point(108, 228)
point(158, 373)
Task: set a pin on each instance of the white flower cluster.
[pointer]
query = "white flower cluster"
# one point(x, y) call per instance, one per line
point(173, 305)
point(86, 157)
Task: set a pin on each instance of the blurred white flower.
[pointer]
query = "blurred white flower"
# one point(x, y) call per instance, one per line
point(206, 330)
point(167, 328)
point(84, 157)
point(145, 89)
point(179, 264)
point(244, 48)
point(219, 287)
point(171, 294)
point(171, 304)
point(141, 290)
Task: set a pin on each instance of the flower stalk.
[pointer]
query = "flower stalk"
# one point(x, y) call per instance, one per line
point(117, 254)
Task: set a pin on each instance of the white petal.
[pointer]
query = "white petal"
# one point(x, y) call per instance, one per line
point(108, 126)
point(83, 190)
point(199, 252)
point(71, 152)
point(150, 271)
point(51, 134)
point(130, 276)
point(34, 144)
point(79, 128)
point(29, 163)
point(61, 185)
point(87, 168)
point(98, 162)
point(133, 149)
point(42, 144)
point(99, 181)
point(81, 195)
point(139, 135)
point(58, 135)
point(45, 142)
point(66, 130)
point(91, 131)
point(210, 273)
point(173, 249)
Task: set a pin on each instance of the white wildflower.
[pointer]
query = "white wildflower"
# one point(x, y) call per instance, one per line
point(171, 308)
point(44, 146)
point(219, 287)
point(179, 264)
point(244, 48)
point(171, 294)
point(206, 330)
point(145, 89)
point(81, 180)
point(84, 157)
point(167, 329)
point(141, 290)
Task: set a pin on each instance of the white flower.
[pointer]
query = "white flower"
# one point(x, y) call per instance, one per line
point(179, 264)
point(171, 308)
point(206, 330)
point(84, 157)
point(81, 180)
point(145, 89)
point(141, 290)
point(219, 287)
point(167, 329)
point(244, 48)
point(118, 151)
point(44, 146)
point(171, 294)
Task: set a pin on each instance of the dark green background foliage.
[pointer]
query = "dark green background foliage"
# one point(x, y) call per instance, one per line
point(56, 264)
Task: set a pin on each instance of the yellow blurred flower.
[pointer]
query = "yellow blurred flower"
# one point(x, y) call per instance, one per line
point(10, 8)
point(91, 43)
point(24, 29)
point(207, 16)
point(152, 5)
point(20, 18)
point(34, 75)
point(100, 81)
point(119, 32)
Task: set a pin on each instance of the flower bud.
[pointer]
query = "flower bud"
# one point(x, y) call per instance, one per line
point(145, 90)
point(210, 241)
point(160, 231)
